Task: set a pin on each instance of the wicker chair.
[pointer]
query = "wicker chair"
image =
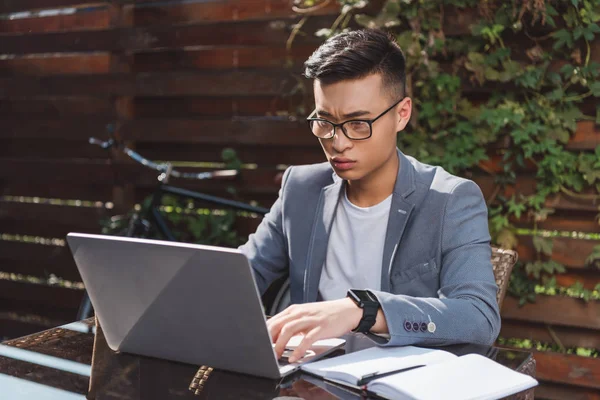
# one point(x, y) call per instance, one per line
point(503, 262)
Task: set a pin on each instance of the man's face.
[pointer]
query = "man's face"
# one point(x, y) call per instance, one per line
point(363, 98)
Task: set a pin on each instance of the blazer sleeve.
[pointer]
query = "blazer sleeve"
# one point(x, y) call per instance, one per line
point(466, 310)
point(266, 249)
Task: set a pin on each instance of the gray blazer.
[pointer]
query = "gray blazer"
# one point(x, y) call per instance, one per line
point(436, 258)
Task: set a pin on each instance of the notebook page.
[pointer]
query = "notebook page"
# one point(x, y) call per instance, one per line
point(470, 377)
point(351, 367)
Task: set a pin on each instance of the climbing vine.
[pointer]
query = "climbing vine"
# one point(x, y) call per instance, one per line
point(499, 99)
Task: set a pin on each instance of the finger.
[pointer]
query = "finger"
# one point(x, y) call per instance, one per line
point(290, 329)
point(305, 344)
point(276, 319)
point(275, 328)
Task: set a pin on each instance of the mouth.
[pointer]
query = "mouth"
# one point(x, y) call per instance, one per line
point(342, 164)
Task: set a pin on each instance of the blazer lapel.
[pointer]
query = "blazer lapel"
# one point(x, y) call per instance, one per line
point(400, 211)
point(317, 252)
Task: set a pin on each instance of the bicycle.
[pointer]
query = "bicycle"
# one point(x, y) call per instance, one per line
point(150, 222)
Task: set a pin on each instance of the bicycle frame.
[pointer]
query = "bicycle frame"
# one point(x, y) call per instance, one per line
point(152, 214)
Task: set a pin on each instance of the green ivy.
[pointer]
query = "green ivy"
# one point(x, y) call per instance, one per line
point(530, 98)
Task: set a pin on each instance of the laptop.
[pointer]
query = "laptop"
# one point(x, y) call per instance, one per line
point(183, 302)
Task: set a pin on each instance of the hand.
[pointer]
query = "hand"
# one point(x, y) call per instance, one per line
point(316, 321)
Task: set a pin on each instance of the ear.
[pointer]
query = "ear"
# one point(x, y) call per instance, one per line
point(403, 112)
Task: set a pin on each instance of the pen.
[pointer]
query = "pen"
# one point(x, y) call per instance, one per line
point(376, 375)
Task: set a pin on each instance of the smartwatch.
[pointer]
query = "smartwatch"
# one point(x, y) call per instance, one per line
point(368, 302)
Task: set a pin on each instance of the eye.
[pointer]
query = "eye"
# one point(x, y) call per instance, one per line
point(358, 125)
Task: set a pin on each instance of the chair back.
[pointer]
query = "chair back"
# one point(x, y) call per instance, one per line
point(503, 262)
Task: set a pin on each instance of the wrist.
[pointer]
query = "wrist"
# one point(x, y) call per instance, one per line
point(355, 313)
point(380, 323)
point(366, 302)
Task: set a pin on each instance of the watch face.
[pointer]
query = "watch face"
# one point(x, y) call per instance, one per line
point(363, 295)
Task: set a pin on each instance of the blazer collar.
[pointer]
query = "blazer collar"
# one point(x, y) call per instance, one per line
point(400, 211)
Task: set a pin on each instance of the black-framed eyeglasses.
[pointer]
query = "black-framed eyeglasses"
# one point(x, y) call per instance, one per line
point(354, 129)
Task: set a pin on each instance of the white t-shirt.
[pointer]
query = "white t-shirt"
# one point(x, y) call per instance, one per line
point(355, 249)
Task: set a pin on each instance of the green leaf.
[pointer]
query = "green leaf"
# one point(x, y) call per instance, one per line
point(507, 239)
point(595, 88)
point(563, 38)
point(594, 258)
point(588, 35)
point(598, 114)
point(515, 207)
point(543, 245)
point(561, 135)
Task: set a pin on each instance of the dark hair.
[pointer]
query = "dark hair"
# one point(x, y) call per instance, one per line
point(356, 54)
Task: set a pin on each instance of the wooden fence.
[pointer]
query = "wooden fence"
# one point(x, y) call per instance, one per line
point(183, 81)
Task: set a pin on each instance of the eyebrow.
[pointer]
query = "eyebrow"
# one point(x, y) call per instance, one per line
point(354, 114)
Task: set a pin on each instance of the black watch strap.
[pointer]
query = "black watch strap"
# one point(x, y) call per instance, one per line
point(368, 319)
point(370, 308)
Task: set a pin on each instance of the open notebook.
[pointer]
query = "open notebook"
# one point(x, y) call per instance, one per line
point(421, 374)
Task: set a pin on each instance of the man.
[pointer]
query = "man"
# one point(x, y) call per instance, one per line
point(374, 241)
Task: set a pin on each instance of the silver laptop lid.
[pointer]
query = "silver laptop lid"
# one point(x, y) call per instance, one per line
point(183, 302)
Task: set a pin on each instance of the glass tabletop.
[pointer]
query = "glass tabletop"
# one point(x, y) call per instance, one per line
point(74, 360)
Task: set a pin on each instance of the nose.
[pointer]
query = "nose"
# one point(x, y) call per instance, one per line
point(340, 142)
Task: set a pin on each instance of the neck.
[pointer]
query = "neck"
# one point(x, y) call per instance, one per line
point(375, 187)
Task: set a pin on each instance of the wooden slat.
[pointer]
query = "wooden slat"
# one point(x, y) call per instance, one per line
point(10, 6)
point(83, 172)
point(587, 136)
point(37, 260)
point(206, 83)
point(95, 19)
point(57, 107)
point(555, 310)
point(263, 156)
point(48, 220)
point(85, 191)
point(42, 269)
point(61, 149)
point(56, 64)
point(569, 252)
point(221, 57)
point(526, 185)
point(262, 131)
point(247, 33)
point(555, 391)
point(236, 10)
point(568, 337)
point(224, 106)
point(79, 129)
point(41, 295)
point(568, 369)
point(571, 221)
point(590, 278)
